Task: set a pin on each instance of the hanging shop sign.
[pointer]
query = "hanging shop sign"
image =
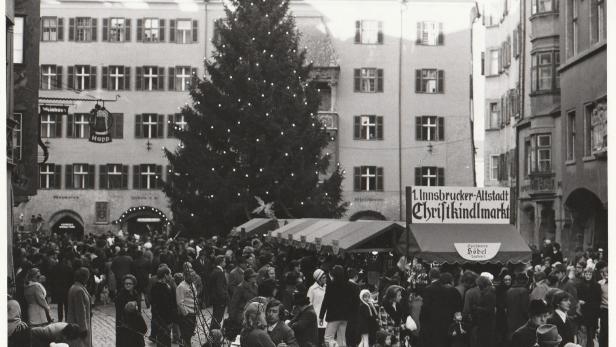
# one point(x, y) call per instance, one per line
point(317, 243)
point(477, 251)
point(100, 124)
point(458, 205)
point(335, 246)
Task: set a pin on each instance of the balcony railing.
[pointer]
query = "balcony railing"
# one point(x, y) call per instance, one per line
point(539, 183)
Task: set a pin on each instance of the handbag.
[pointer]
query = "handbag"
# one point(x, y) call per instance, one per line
point(410, 324)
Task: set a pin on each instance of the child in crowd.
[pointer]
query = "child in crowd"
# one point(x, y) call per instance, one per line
point(456, 332)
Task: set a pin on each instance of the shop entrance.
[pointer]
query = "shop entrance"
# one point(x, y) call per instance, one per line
point(143, 220)
point(68, 225)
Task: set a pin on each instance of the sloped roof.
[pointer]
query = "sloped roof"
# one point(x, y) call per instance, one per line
point(315, 38)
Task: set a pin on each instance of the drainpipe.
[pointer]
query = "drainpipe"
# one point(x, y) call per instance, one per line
point(205, 34)
point(400, 191)
point(522, 94)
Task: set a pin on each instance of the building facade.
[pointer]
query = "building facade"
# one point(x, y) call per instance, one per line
point(395, 98)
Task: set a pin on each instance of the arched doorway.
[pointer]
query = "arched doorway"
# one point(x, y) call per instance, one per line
point(67, 223)
point(588, 227)
point(143, 220)
point(367, 215)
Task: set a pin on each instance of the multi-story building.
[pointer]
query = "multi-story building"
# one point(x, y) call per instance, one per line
point(394, 79)
point(583, 126)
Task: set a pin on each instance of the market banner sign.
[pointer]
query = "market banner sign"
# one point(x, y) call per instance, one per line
point(458, 205)
point(477, 251)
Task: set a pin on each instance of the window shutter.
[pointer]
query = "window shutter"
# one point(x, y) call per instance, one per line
point(94, 29)
point(70, 125)
point(418, 81)
point(161, 30)
point(127, 30)
point(60, 29)
point(379, 127)
point(195, 30)
point(160, 125)
point(170, 125)
point(441, 81)
point(441, 128)
point(58, 77)
point(68, 181)
point(357, 178)
point(105, 29)
point(171, 75)
point(171, 30)
point(500, 60)
point(102, 177)
point(138, 126)
point(159, 176)
point(127, 78)
point(71, 77)
point(418, 129)
point(118, 125)
point(93, 77)
point(105, 78)
point(71, 29)
point(90, 177)
point(41, 75)
point(379, 178)
point(441, 36)
point(356, 127)
point(419, 26)
point(124, 176)
point(440, 180)
point(418, 176)
point(357, 31)
point(379, 80)
point(58, 125)
point(136, 175)
point(161, 78)
point(57, 176)
point(139, 30)
point(139, 78)
point(357, 79)
point(380, 34)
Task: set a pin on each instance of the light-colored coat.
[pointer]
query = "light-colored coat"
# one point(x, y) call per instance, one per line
point(79, 312)
point(35, 294)
point(316, 293)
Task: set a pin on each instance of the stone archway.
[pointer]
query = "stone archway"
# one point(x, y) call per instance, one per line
point(588, 220)
point(142, 220)
point(67, 221)
point(367, 215)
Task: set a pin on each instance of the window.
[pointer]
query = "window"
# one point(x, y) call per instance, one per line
point(17, 137)
point(150, 78)
point(368, 178)
point(368, 80)
point(572, 27)
point(52, 29)
point(483, 63)
point(117, 126)
point(430, 81)
point(368, 32)
point(147, 176)
point(49, 176)
point(219, 24)
point(183, 31)
point(175, 121)
point(149, 126)
point(180, 77)
point(528, 154)
point(116, 29)
point(539, 156)
point(544, 75)
point(516, 45)
point(430, 33)
point(542, 6)
point(51, 125)
point(113, 176)
point(51, 77)
point(597, 21)
point(494, 166)
point(368, 128)
point(78, 126)
point(151, 30)
point(429, 176)
point(571, 135)
point(429, 128)
point(82, 29)
point(82, 77)
point(116, 77)
point(79, 176)
point(493, 62)
point(595, 133)
point(18, 40)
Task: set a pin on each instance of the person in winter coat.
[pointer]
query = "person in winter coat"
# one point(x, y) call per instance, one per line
point(589, 295)
point(526, 335)
point(517, 301)
point(337, 304)
point(457, 334)
point(56, 332)
point(367, 323)
point(484, 312)
point(561, 303)
point(242, 294)
point(439, 305)
point(60, 282)
point(218, 292)
point(127, 294)
point(254, 324)
point(164, 311)
point(304, 323)
point(280, 332)
point(79, 307)
point(315, 294)
point(501, 289)
point(133, 327)
point(35, 294)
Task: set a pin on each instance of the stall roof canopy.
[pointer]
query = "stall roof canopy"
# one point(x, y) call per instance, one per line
point(256, 225)
point(435, 242)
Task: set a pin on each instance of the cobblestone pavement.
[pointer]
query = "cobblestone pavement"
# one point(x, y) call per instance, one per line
point(103, 325)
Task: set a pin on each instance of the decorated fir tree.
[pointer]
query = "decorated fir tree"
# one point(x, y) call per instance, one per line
point(252, 129)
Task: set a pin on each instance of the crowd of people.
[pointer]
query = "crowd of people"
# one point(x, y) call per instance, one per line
point(259, 293)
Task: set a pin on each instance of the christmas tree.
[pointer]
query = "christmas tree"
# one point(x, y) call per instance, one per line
point(252, 129)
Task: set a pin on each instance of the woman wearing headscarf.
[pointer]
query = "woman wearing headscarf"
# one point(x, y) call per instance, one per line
point(367, 323)
point(35, 294)
point(253, 328)
point(127, 294)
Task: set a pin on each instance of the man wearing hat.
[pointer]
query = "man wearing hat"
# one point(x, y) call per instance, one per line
point(526, 335)
point(547, 336)
point(315, 294)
